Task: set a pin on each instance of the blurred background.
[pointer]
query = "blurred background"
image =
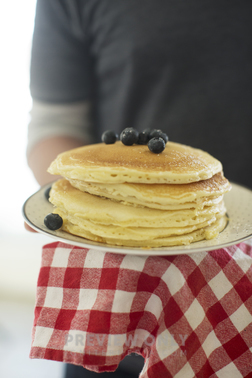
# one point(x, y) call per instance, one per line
point(20, 251)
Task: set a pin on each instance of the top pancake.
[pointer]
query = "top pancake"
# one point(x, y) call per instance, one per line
point(117, 163)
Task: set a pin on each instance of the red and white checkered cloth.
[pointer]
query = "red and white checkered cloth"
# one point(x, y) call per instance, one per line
point(187, 315)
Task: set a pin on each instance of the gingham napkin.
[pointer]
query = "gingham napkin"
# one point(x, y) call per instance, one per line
point(187, 315)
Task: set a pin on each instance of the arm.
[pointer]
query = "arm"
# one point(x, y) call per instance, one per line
point(52, 130)
point(42, 155)
point(50, 134)
point(45, 151)
point(55, 128)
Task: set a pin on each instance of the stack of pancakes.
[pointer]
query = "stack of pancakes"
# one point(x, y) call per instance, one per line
point(129, 196)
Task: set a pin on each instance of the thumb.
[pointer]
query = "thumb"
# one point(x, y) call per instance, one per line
point(28, 228)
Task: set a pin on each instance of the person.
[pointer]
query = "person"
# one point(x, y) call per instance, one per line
point(182, 67)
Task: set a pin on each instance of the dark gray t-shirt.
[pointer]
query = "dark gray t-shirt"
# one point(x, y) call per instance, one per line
point(180, 66)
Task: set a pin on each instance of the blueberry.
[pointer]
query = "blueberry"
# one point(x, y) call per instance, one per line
point(129, 136)
point(109, 137)
point(47, 193)
point(147, 131)
point(143, 137)
point(53, 221)
point(158, 133)
point(156, 145)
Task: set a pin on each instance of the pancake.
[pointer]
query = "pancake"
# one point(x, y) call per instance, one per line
point(117, 163)
point(101, 219)
point(161, 196)
point(88, 207)
point(208, 232)
point(129, 196)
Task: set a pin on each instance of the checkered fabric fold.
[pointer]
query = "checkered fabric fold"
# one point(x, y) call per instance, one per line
point(187, 315)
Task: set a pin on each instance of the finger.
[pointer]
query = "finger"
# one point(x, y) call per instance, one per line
point(28, 228)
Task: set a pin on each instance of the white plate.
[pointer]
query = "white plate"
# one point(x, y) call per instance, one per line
point(239, 228)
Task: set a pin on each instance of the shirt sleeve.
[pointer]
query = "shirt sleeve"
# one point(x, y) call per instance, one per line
point(51, 120)
point(60, 70)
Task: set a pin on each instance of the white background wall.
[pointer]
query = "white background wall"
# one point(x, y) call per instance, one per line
point(16, 27)
point(20, 251)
